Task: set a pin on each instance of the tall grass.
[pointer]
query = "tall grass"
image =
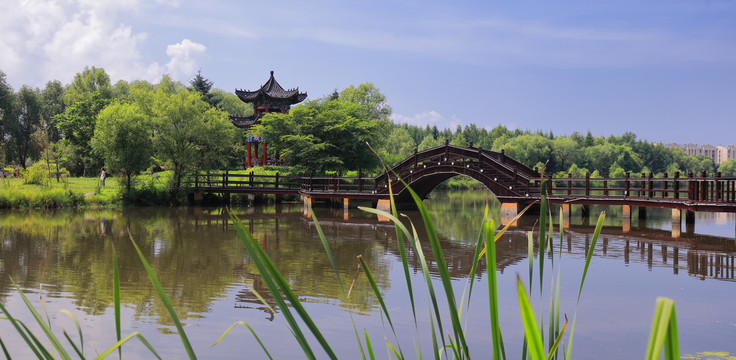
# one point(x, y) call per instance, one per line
point(448, 339)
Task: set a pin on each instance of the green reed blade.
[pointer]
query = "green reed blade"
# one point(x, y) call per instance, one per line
point(478, 248)
point(542, 234)
point(589, 256)
point(435, 350)
point(20, 331)
point(165, 300)
point(393, 350)
point(553, 349)
point(536, 346)
point(663, 332)
point(376, 291)
point(508, 225)
point(402, 252)
point(442, 270)
point(44, 326)
point(36, 341)
point(76, 324)
point(253, 332)
point(74, 346)
point(493, 291)
point(248, 242)
point(116, 296)
point(416, 246)
point(357, 336)
point(368, 345)
point(258, 296)
point(277, 285)
point(326, 246)
point(5, 350)
point(124, 340)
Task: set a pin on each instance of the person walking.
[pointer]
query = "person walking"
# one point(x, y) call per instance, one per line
point(103, 175)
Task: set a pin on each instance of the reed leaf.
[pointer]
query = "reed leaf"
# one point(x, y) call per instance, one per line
point(16, 325)
point(278, 286)
point(124, 340)
point(402, 252)
point(74, 346)
point(165, 300)
point(498, 348)
point(589, 256)
point(326, 246)
point(534, 339)
point(663, 332)
point(253, 332)
point(35, 341)
point(258, 296)
point(479, 246)
point(116, 296)
point(5, 350)
point(444, 274)
point(368, 345)
point(44, 326)
point(376, 291)
point(393, 350)
point(76, 324)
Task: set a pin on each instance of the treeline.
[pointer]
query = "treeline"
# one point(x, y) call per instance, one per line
point(575, 154)
point(127, 127)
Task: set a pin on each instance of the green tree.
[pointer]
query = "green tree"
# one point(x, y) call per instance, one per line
point(324, 135)
point(23, 123)
point(370, 98)
point(123, 139)
point(527, 149)
point(203, 86)
point(7, 107)
point(601, 157)
point(563, 149)
point(398, 146)
point(728, 168)
point(52, 104)
point(77, 125)
point(429, 142)
point(459, 140)
point(88, 82)
point(230, 103)
point(189, 133)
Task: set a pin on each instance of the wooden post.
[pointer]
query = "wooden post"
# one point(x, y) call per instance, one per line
point(587, 183)
point(664, 185)
point(360, 178)
point(416, 160)
point(605, 185)
point(276, 181)
point(703, 187)
point(224, 179)
point(503, 156)
point(643, 185)
point(263, 156)
point(248, 164)
point(569, 184)
point(196, 181)
point(719, 196)
point(650, 185)
point(250, 179)
point(447, 149)
point(676, 185)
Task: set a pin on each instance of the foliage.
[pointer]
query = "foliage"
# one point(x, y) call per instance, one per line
point(398, 145)
point(430, 142)
point(189, 133)
point(323, 135)
point(87, 83)
point(36, 174)
point(123, 139)
point(77, 125)
point(52, 104)
point(203, 86)
point(373, 103)
point(728, 168)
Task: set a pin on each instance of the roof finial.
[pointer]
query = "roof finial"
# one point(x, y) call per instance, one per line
point(271, 73)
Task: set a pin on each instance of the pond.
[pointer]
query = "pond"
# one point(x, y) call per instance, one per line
point(65, 258)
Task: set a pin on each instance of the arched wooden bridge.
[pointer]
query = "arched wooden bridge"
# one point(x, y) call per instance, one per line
point(509, 180)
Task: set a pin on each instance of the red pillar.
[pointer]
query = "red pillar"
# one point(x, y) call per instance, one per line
point(249, 158)
point(263, 157)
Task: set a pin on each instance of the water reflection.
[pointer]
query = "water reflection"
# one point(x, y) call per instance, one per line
point(197, 256)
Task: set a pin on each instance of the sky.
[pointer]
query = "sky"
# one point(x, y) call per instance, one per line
point(663, 69)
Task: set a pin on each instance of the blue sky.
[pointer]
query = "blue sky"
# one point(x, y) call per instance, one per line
point(665, 70)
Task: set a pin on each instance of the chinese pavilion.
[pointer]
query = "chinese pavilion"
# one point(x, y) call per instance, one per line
point(271, 97)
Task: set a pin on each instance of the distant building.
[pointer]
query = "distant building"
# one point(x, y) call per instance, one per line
point(719, 154)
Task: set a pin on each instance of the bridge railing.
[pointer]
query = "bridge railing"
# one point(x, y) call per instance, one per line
point(701, 189)
point(338, 183)
point(233, 181)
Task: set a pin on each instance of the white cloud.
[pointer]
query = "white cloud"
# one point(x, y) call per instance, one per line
point(45, 40)
point(185, 57)
point(431, 118)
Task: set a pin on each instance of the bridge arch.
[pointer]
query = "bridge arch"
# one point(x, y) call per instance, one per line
point(423, 171)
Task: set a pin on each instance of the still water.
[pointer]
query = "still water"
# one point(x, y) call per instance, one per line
point(65, 258)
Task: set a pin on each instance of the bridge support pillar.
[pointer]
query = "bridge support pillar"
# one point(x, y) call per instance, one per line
point(306, 204)
point(676, 223)
point(642, 217)
point(689, 221)
point(565, 216)
point(626, 218)
point(226, 198)
point(584, 211)
point(383, 205)
point(197, 198)
point(508, 213)
point(345, 207)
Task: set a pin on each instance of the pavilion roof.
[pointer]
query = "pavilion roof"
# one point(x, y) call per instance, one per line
point(272, 89)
